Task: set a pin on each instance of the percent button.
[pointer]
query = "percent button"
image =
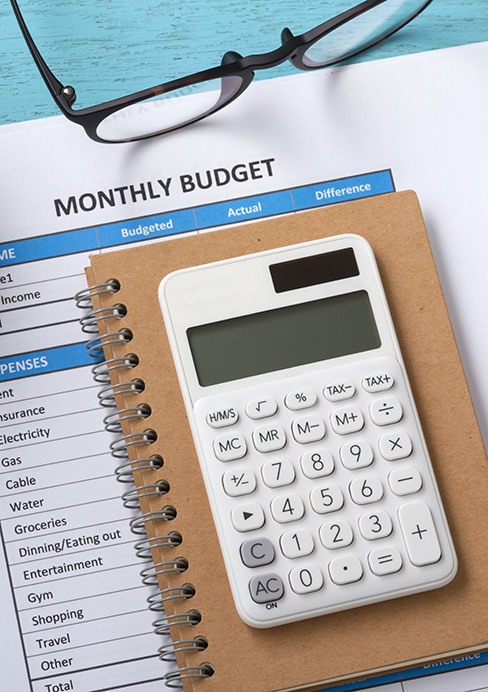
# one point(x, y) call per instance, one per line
point(304, 398)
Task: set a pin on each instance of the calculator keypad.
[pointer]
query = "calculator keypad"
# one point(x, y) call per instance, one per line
point(320, 504)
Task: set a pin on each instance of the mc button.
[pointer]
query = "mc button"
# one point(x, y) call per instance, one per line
point(230, 447)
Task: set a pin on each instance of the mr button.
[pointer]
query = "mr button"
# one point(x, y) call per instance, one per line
point(266, 588)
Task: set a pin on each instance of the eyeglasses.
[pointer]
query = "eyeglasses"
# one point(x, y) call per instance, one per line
point(180, 102)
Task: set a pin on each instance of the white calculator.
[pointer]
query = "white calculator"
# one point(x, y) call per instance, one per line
point(309, 441)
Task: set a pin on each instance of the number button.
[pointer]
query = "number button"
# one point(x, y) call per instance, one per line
point(285, 508)
point(266, 588)
point(309, 429)
point(347, 420)
point(230, 447)
point(317, 464)
point(356, 455)
point(305, 398)
point(385, 561)
point(373, 526)
point(278, 473)
point(405, 481)
point(336, 534)
point(257, 552)
point(345, 570)
point(326, 499)
point(247, 517)
point(297, 543)
point(337, 391)
point(306, 579)
point(366, 489)
point(395, 446)
point(386, 411)
point(269, 438)
point(239, 482)
point(261, 408)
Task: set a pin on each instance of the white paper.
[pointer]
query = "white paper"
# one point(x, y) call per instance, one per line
point(421, 117)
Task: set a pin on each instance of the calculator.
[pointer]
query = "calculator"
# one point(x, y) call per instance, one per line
point(309, 442)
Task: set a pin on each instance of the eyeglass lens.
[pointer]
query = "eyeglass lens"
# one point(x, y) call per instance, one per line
point(361, 32)
point(179, 107)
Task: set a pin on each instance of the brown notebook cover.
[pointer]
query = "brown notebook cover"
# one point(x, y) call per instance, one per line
point(348, 644)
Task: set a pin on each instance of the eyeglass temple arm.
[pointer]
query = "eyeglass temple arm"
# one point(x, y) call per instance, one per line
point(64, 96)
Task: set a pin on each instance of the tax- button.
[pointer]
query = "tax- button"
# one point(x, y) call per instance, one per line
point(247, 517)
point(230, 447)
point(336, 391)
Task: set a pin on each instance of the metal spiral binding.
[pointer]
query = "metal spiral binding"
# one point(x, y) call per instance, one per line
point(119, 449)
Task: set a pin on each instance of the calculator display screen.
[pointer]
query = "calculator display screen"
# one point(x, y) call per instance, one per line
point(283, 338)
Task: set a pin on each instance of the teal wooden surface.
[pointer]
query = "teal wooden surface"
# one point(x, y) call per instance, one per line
point(106, 48)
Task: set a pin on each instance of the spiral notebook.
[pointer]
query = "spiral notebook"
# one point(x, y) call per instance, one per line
point(216, 651)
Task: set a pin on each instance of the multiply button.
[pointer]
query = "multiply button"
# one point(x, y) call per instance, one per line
point(395, 446)
point(386, 411)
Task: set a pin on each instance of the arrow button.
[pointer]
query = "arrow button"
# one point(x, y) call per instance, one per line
point(247, 517)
